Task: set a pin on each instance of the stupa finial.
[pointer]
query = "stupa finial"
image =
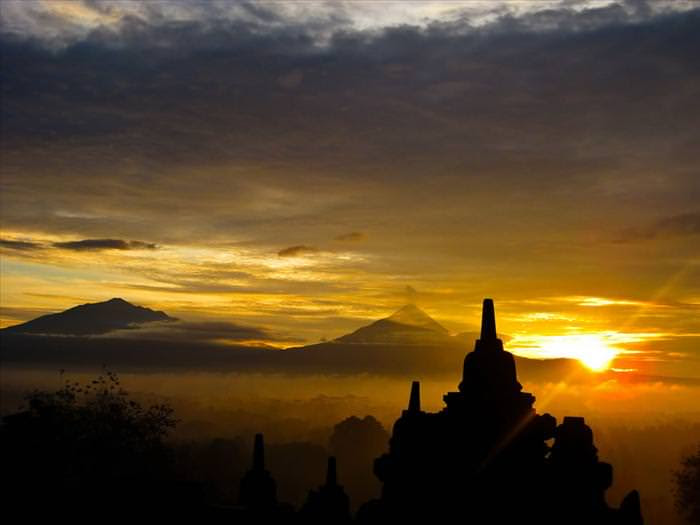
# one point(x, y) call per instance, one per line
point(259, 453)
point(414, 400)
point(488, 321)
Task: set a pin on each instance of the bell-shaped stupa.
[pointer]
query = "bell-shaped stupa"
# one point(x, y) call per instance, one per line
point(488, 457)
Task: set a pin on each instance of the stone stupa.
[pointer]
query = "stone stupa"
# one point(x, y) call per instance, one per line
point(488, 457)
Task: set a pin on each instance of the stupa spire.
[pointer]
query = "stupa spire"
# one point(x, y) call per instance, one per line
point(331, 473)
point(488, 321)
point(258, 488)
point(414, 399)
point(259, 453)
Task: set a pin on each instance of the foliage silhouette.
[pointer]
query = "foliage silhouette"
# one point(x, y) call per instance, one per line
point(356, 442)
point(687, 480)
point(86, 444)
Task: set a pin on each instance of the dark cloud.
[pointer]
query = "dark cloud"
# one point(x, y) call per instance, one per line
point(352, 237)
point(682, 225)
point(199, 331)
point(458, 102)
point(294, 251)
point(19, 245)
point(82, 245)
point(104, 244)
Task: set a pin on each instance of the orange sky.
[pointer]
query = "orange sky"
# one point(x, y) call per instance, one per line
point(316, 168)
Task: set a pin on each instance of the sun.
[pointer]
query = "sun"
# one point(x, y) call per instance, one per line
point(596, 354)
point(593, 350)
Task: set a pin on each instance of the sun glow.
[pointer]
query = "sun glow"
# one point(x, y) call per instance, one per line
point(592, 350)
point(595, 351)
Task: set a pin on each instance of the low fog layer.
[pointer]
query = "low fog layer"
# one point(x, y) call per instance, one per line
point(220, 412)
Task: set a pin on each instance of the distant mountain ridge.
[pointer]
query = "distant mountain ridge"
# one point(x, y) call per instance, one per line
point(408, 325)
point(411, 315)
point(411, 342)
point(91, 319)
point(408, 343)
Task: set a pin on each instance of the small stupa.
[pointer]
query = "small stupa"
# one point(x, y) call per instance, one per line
point(330, 503)
point(258, 489)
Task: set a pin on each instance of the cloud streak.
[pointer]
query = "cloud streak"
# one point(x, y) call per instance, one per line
point(18, 245)
point(351, 237)
point(221, 332)
point(681, 225)
point(296, 251)
point(104, 244)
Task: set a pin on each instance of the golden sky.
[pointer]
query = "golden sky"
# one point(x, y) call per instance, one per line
point(306, 168)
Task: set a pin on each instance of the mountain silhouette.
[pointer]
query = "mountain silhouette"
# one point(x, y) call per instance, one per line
point(410, 341)
point(91, 319)
point(408, 325)
point(411, 315)
point(403, 344)
point(406, 341)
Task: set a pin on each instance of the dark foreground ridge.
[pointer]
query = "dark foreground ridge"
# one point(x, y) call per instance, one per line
point(484, 457)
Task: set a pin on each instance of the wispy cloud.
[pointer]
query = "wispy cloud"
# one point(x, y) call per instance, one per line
point(295, 251)
point(104, 244)
point(351, 237)
point(19, 245)
point(582, 300)
point(221, 332)
point(681, 225)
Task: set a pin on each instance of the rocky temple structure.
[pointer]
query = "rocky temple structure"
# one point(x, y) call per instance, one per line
point(488, 457)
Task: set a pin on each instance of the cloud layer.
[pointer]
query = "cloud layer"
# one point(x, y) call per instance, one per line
point(474, 151)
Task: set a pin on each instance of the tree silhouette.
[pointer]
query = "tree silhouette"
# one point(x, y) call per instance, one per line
point(86, 444)
point(687, 480)
point(356, 442)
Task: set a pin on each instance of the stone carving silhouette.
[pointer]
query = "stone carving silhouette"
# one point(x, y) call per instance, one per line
point(485, 456)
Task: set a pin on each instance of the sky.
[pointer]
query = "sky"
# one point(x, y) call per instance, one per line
point(305, 167)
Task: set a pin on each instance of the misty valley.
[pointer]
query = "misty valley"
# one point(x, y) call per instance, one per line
point(321, 407)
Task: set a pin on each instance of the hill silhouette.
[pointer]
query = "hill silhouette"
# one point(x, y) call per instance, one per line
point(410, 341)
point(408, 325)
point(405, 343)
point(91, 319)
